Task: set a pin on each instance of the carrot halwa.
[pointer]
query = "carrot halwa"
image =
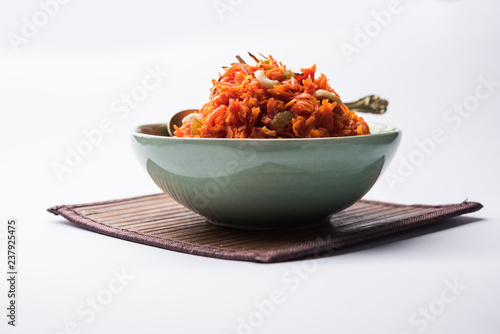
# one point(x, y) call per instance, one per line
point(267, 100)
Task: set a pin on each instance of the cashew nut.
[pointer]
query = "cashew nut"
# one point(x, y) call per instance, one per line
point(265, 81)
point(190, 117)
point(321, 94)
point(196, 121)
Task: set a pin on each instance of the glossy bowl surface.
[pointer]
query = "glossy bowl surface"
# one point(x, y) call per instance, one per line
point(265, 183)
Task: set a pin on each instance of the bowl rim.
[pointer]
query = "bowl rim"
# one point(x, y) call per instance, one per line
point(389, 130)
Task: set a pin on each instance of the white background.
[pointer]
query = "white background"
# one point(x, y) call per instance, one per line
point(65, 79)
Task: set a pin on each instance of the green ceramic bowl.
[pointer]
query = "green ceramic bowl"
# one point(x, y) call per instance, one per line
point(265, 183)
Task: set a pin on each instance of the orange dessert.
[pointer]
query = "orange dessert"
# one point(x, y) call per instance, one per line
point(267, 100)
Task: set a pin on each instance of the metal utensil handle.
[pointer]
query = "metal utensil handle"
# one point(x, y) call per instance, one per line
point(372, 104)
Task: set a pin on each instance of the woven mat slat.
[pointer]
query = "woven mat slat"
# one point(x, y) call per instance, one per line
point(159, 221)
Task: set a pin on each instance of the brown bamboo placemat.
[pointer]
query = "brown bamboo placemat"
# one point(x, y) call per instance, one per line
point(158, 220)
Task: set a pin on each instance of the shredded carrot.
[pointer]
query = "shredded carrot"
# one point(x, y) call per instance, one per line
point(240, 106)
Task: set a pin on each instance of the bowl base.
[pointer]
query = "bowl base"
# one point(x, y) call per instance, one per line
point(300, 225)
